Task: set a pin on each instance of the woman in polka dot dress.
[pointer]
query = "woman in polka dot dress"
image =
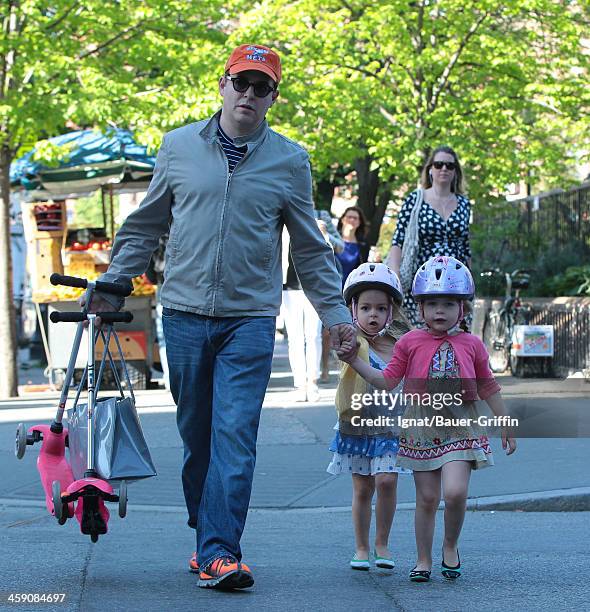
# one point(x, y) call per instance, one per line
point(443, 221)
point(363, 446)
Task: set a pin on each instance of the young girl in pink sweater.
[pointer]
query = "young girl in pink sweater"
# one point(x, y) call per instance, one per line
point(442, 439)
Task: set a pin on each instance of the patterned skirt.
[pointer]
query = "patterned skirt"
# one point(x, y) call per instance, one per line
point(424, 449)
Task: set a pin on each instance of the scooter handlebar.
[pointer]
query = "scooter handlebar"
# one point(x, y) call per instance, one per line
point(82, 283)
point(76, 317)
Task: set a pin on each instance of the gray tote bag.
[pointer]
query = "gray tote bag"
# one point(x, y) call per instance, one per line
point(120, 449)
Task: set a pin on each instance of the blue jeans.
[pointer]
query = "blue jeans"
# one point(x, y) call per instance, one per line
point(219, 371)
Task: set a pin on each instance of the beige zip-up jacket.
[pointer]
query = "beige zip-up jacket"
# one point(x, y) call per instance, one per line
point(223, 257)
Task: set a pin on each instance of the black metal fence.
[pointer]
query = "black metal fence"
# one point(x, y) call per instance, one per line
point(571, 330)
point(570, 318)
point(556, 218)
point(560, 218)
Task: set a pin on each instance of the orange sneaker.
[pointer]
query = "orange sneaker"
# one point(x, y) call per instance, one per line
point(226, 573)
point(193, 564)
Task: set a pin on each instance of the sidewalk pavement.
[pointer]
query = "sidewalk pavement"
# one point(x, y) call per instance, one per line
point(299, 537)
point(511, 561)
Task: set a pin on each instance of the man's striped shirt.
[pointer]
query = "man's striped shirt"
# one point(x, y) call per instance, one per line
point(234, 154)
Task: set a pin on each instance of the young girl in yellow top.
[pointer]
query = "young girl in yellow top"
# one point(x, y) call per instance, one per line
point(366, 450)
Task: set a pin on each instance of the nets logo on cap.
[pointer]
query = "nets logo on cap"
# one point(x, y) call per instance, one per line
point(257, 54)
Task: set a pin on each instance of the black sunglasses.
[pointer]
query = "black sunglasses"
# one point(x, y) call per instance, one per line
point(242, 84)
point(448, 165)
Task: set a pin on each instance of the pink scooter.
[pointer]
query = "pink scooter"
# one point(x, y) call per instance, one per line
point(61, 490)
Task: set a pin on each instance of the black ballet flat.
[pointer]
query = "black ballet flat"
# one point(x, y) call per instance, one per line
point(419, 575)
point(450, 573)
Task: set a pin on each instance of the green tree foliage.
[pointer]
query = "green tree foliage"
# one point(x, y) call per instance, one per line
point(145, 64)
point(128, 62)
point(503, 82)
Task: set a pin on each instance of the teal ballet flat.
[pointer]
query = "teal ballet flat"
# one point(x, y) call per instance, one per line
point(383, 562)
point(359, 564)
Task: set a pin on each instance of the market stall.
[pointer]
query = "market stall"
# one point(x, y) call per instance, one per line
point(114, 164)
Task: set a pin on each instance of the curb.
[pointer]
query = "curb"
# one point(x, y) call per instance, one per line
point(556, 500)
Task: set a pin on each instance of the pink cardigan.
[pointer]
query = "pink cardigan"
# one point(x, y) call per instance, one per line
point(413, 354)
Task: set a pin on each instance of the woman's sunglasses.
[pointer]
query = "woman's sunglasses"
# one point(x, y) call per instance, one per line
point(242, 84)
point(448, 165)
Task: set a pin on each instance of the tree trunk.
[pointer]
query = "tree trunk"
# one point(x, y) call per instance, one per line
point(380, 208)
point(324, 193)
point(8, 370)
point(368, 186)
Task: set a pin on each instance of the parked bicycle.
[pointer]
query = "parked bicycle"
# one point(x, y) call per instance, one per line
point(499, 324)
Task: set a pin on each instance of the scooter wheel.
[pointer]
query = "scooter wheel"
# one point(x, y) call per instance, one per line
point(58, 507)
point(94, 537)
point(20, 444)
point(123, 499)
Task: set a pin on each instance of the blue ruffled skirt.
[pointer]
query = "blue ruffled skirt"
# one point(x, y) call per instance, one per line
point(366, 455)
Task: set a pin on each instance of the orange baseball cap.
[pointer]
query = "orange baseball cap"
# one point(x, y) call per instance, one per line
point(255, 57)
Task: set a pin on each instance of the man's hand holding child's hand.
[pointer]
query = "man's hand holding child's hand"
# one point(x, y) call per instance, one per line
point(343, 339)
point(350, 355)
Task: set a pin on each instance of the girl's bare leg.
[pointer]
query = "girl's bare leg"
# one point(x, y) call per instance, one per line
point(427, 500)
point(386, 485)
point(455, 484)
point(363, 488)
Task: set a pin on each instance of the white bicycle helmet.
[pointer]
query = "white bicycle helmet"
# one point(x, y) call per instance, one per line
point(372, 276)
point(443, 276)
